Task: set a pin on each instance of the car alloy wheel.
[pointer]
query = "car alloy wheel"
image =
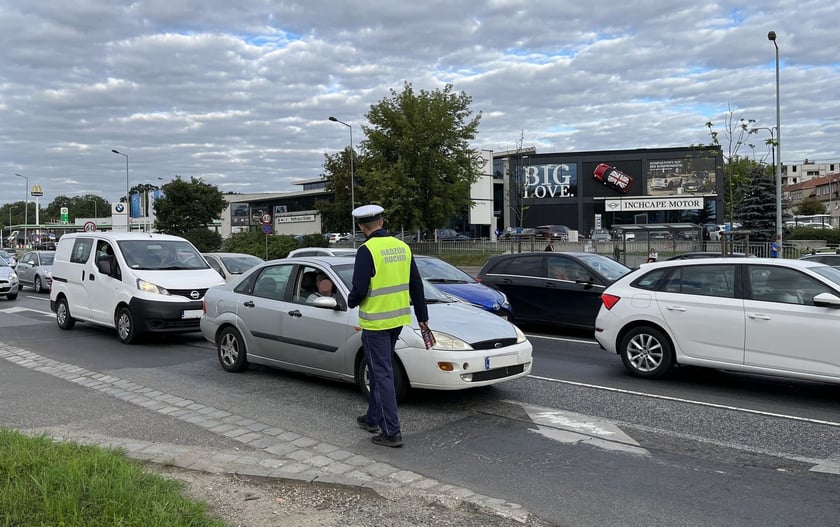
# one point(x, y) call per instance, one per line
point(62, 314)
point(646, 352)
point(125, 326)
point(231, 350)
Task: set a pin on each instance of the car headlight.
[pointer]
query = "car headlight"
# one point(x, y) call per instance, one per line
point(520, 337)
point(447, 342)
point(148, 287)
point(12, 278)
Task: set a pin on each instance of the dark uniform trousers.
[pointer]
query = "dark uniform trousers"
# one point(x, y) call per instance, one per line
point(382, 405)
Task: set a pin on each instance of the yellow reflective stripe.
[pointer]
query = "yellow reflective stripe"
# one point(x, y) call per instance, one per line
point(386, 315)
point(399, 288)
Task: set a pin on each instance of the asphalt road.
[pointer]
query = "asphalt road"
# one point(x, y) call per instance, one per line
point(580, 442)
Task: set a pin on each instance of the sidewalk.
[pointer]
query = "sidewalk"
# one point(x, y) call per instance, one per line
point(264, 451)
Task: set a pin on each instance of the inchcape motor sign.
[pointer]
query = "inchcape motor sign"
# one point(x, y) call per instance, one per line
point(645, 204)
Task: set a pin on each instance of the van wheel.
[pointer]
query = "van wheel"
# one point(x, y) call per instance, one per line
point(62, 314)
point(126, 329)
point(231, 350)
point(39, 287)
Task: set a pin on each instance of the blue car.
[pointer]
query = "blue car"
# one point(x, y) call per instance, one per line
point(456, 283)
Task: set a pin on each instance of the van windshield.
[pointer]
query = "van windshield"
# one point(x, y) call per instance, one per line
point(156, 254)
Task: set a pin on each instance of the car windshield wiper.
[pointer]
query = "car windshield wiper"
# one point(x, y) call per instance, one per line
point(446, 281)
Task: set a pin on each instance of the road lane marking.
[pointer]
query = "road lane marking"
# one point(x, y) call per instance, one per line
point(571, 427)
point(689, 401)
point(17, 309)
point(561, 339)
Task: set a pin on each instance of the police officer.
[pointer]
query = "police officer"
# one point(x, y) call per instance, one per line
point(385, 277)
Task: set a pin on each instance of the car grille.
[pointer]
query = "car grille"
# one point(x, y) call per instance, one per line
point(497, 373)
point(186, 293)
point(184, 324)
point(494, 344)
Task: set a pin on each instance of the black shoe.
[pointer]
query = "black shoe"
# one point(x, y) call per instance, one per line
point(362, 422)
point(393, 441)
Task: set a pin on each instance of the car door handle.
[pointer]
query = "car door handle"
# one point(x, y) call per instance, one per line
point(759, 316)
point(676, 308)
point(507, 281)
point(249, 303)
point(295, 313)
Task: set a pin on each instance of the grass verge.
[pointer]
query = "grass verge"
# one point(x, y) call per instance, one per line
point(49, 483)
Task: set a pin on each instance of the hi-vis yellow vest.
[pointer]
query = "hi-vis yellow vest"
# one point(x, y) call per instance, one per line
point(387, 304)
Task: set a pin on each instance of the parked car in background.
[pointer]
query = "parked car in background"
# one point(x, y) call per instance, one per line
point(826, 258)
point(450, 235)
point(9, 257)
point(553, 232)
point(455, 282)
point(281, 329)
point(601, 235)
point(35, 270)
point(231, 265)
point(771, 316)
point(554, 288)
point(524, 233)
point(8, 281)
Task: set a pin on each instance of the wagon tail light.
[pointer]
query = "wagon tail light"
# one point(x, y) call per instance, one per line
point(609, 300)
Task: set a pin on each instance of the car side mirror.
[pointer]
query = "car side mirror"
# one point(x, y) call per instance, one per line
point(326, 302)
point(827, 300)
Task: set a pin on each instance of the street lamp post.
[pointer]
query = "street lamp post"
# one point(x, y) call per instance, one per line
point(127, 191)
point(352, 178)
point(772, 37)
point(25, 210)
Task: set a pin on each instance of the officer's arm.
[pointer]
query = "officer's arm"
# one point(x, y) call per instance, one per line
point(362, 271)
point(415, 289)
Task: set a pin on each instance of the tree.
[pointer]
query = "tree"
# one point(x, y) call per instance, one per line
point(335, 214)
point(187, 206)
point(810, 206)
point(267, 246)
point(757, 209)
point(83, 206)
point(736, 168)
point(419, 164)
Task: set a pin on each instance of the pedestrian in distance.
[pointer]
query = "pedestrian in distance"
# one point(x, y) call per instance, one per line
point(774, 250)
point(386, 283)
point(550, 246)
point(652, 255)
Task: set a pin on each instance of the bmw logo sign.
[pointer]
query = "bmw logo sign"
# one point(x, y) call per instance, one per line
point(119, 207)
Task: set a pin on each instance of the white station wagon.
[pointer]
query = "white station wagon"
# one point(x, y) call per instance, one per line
point(758, 315)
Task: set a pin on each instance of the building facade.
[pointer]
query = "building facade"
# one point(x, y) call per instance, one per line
point(600, 189)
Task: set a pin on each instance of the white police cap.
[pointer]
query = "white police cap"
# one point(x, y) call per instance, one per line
point(367, 213)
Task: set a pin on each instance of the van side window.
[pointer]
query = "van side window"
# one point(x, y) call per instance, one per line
point(106, 262)
point(81, 250)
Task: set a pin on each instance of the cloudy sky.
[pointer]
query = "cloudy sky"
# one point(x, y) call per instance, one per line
point(238, 93)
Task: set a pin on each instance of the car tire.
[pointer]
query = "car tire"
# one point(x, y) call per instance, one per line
point(62, 314)
point(647, 352)
point(401, 383)
point(37, 285)
point(230, 349)
point(126, 327)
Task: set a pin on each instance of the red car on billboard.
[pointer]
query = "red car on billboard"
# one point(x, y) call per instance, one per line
point(612, 177)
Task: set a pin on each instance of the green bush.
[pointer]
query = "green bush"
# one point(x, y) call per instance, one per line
point(266, 246)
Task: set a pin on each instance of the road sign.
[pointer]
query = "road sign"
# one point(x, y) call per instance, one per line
point(267, 228)
point(90, 226)
point(266, 218)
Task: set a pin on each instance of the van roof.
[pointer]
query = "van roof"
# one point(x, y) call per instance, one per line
point(120, 236)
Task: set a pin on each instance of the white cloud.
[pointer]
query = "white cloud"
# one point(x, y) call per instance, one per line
point(239, 95)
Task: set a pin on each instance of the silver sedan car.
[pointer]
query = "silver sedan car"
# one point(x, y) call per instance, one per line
point(267, 318)
point(35, 270)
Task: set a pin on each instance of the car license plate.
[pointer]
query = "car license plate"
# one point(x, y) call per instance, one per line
point(191, 313)
point(500, 361)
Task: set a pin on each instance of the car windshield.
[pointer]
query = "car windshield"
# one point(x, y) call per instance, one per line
point(240, 264)
point(608, 267)
point(156, 254)
point(432, 293)
point(828, 271)
point(440, 272)
point(47, 259)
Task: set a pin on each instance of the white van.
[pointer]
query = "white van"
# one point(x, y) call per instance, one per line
point(132, 281)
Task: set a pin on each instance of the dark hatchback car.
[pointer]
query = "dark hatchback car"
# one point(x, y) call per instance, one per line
point(553, 288)
point(553, 232)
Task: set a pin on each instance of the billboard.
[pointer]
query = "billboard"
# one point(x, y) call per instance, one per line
point(690, 175)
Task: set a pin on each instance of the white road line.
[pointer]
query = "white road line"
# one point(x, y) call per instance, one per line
point(689, 401)
point(22, 309)
point(561, 339)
